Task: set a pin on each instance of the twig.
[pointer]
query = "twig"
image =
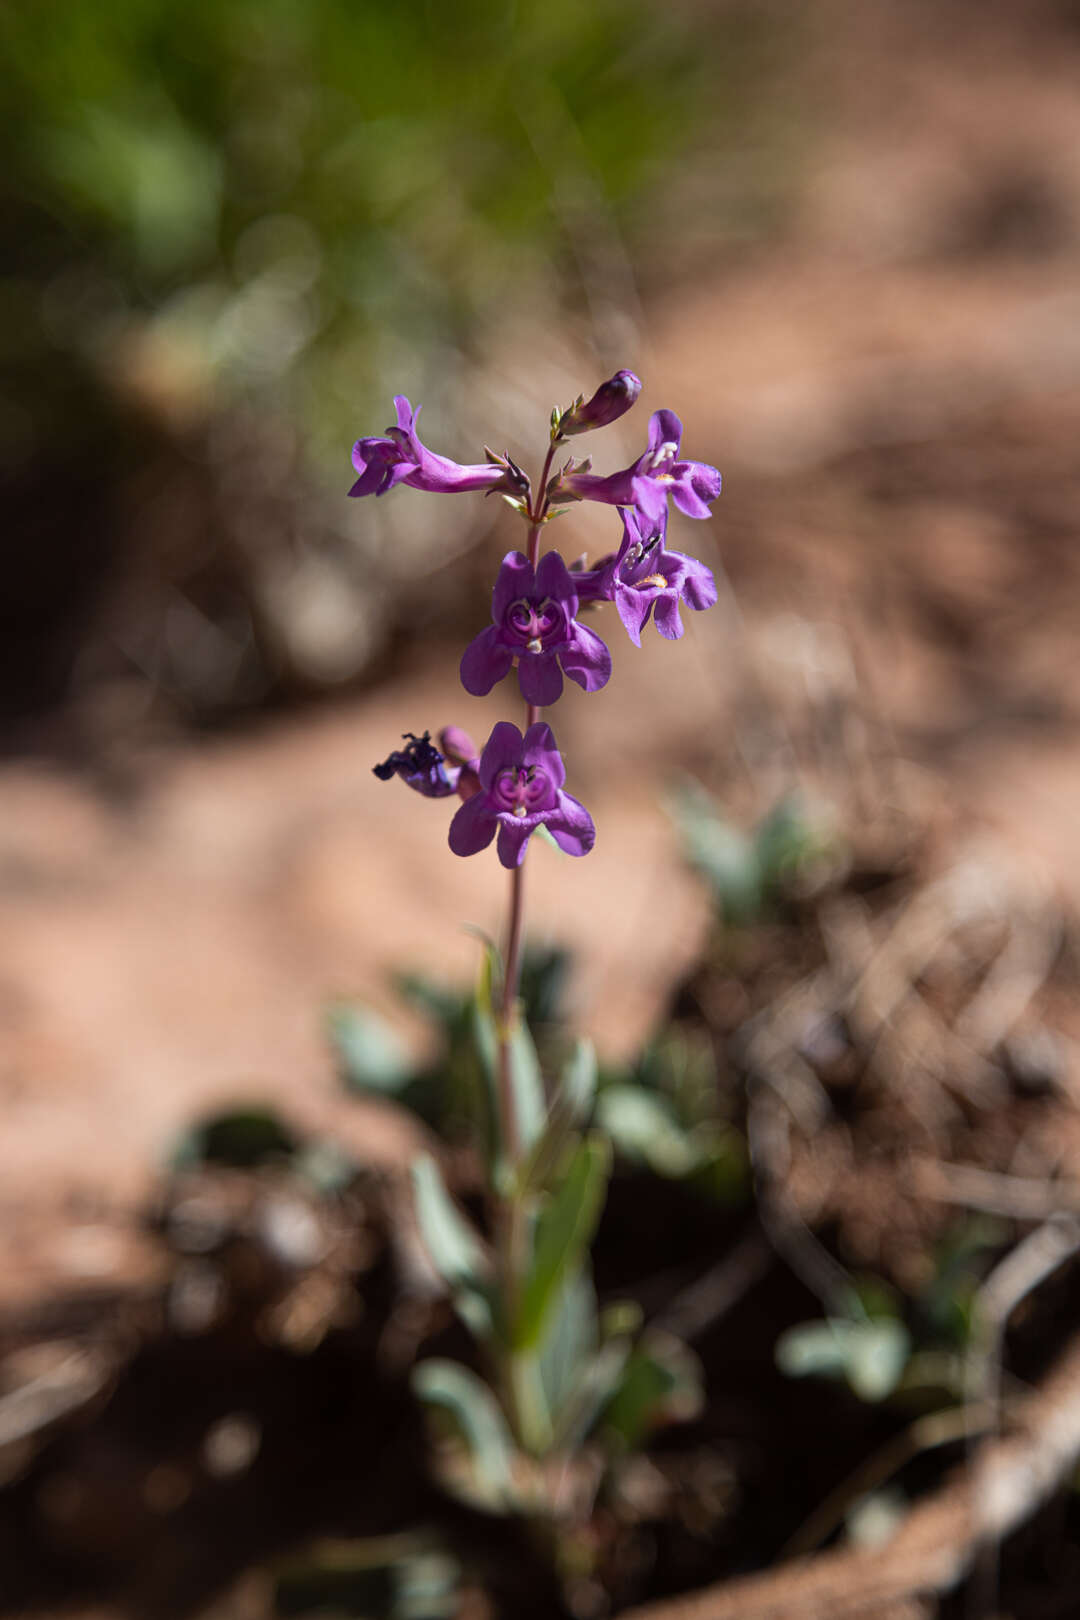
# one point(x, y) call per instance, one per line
point(925, 1434)
point(1022, 1198)
point(721, 1288)
point(1033, 1260)
point(768, 1141)
point(54, 1394)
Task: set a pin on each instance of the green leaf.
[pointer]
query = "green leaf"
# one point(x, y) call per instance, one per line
point(877, 1356)
point(569, 1343)
point(373, 1059)
point(869, 1355)
point(661, 1383)
point(644, 1128)
point(240, 1137)
point(723, 854)
point(480, 1424)
point(577, 1087)
point(545, 836)
point(564, 1229)
point(597, 1380)
point(526, 1083)
point(453, 1246)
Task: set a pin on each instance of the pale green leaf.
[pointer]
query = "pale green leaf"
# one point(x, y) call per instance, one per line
point(564, 1229)
point(479, 1422)
point(453, 1246)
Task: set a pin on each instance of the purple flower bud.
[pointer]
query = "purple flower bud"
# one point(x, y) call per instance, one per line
point(521, 782)
point(400, 458)
point(535, 623)
point(644, 579)
point(457, 745)
point(460, 749)
point(611, 400)
point(421, 767)
point(647, 483)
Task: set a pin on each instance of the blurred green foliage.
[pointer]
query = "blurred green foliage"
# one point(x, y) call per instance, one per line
point(350, 186)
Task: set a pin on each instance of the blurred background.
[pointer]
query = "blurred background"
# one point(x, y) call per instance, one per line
point(841, 241)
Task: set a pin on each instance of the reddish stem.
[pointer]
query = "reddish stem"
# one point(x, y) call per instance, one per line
point(515, 929)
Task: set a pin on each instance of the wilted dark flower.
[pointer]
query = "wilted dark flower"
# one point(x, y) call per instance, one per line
point(421, 767)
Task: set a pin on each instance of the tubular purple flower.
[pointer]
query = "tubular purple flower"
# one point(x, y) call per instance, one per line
point(400, 458)
point(535, 622)
point(642, 579)
point(521, 788)
point(647, 484)
point(611, 400)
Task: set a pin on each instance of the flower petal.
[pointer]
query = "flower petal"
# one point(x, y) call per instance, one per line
point(554, 579)
point(473, 826)
point(614, 490)
point(699, 586)
point(666, 615)
point(514, 580)
point(406, 416)
point(513, 837)
point(585, 659)
point(688, 500)
point(540, 678)
point(540, 749)
point(484, 662)
point(571, 826)
point(664, 428)
point(633, 609)
point(650, 498)
point(502, 752)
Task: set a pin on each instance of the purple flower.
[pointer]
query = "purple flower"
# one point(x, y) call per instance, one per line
point(642, 579)
point(648, 482)
point(611, 400)
point(400, 458)
point(423, 768)
point(521, 782)
point(535, 623)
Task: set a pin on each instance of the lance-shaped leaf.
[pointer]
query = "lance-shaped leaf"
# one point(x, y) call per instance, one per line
point(564, 1228)
point(870, 1355)
point(372, 1057)
point(453, 1246)
point(569, 1341)
point(481, 1425)
point(577, 1089)
point(644, 1127)
point(526, 1083)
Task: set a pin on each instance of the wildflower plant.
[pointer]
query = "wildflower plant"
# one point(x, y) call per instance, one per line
point(556, 1367)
